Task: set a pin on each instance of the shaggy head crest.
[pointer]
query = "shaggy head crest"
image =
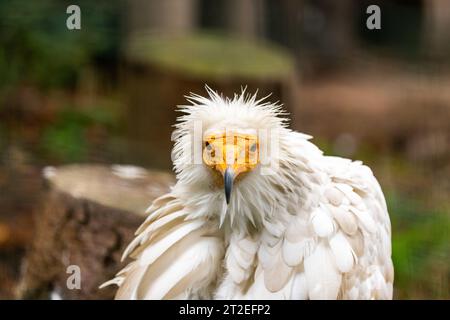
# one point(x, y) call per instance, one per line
point(243, 111)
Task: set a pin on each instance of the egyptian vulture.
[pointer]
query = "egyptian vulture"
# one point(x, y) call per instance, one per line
point(258, 212)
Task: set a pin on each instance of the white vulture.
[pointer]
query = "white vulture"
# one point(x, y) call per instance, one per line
point(258, 212)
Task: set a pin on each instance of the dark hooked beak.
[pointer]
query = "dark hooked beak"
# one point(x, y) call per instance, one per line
point(228, 178)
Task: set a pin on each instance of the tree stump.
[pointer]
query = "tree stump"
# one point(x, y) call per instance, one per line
point(86, 219)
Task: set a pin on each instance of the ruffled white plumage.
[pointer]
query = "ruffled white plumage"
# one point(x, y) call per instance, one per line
point(317, 228)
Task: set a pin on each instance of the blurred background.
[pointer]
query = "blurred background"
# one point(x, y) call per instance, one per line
point(107, 94)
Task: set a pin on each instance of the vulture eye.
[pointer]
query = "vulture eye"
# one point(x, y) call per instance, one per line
point(253, 147)
point(208, 146)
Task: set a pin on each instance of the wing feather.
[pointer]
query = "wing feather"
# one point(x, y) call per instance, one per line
point(322, 222)
point(155, 250)
point(343, 253)
point(184, 260)
point(322, 276)
point(277, 274)
point(174, 256)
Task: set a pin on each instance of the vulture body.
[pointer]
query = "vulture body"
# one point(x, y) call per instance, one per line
point(294, 224)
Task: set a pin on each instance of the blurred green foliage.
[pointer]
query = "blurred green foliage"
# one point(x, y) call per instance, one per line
point(66, 139)
point(420, 241)
point(37, 49)
point(36, 46)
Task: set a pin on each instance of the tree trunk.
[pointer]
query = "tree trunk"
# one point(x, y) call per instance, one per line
point(246, 18)
point(173, 17)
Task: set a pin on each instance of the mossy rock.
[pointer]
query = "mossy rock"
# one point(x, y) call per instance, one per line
point(211, 56)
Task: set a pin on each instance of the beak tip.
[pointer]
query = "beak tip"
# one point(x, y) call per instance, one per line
point(228, 183)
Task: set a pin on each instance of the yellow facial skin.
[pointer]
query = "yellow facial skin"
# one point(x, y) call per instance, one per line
point(238, 152)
